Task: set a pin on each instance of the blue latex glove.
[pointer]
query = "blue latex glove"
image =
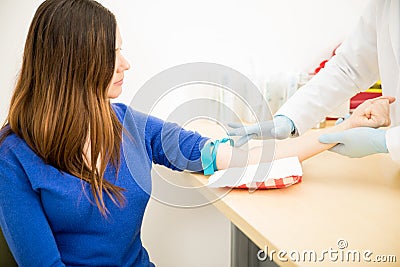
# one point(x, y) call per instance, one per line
point(357, 142)
point(280, 127)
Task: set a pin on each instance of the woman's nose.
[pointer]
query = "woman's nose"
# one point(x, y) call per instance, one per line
point(123, 64)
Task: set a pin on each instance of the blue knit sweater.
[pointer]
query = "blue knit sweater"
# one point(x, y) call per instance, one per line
point(48, 217)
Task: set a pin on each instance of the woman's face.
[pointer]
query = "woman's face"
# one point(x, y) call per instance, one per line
point(121, 65)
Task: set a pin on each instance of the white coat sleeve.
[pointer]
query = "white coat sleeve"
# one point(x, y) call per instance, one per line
point(352, 69)
point(393, 143)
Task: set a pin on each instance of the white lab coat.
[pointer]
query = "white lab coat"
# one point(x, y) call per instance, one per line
point(371, 52)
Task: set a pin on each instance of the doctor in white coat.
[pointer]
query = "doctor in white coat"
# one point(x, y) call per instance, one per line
point(371, 52)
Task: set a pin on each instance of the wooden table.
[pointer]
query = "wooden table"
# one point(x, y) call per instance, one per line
point(353, 201)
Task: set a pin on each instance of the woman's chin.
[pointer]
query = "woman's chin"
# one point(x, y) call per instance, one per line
point(114, 92)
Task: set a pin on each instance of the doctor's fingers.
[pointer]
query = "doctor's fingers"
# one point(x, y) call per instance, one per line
point(240, 130)
point(260, 129)
point(244, 139)
point(281, 132)
point(340, 149)
point(332, 138)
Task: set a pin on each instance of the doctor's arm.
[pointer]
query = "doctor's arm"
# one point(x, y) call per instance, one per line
point(369, 115)
point(352, 69)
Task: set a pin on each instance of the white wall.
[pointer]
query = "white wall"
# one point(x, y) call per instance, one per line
point(15, 17)
point(256, 37)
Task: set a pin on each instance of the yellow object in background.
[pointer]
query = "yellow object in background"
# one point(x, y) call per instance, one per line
point(376, 88)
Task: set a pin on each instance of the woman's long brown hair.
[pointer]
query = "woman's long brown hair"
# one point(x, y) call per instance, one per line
point(60, 100)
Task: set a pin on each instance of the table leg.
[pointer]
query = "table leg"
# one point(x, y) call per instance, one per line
point(244, 251)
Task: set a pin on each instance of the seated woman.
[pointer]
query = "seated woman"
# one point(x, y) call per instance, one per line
point(67, 195)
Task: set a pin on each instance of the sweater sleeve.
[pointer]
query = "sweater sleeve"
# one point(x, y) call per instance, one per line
point(22, 219)
point(164, 142)
point(173, 146)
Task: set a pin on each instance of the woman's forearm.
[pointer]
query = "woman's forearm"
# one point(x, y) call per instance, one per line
point(303, 147)
point(307, 145)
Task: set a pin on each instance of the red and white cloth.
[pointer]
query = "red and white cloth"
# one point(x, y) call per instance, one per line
point(277, 174)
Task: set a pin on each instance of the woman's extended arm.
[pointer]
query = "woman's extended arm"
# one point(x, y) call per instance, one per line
point(372, 113)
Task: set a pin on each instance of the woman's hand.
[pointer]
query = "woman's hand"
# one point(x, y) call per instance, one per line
point(373, 113)
point(357, 137)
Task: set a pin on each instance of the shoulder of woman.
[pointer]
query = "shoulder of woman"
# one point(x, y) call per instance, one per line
point(11, 146)
point(127, 114)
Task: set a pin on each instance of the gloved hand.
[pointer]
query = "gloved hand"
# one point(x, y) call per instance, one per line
point(357, 142)
point(280, 127)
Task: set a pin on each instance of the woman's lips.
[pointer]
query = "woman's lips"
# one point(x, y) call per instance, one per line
point(119, 82)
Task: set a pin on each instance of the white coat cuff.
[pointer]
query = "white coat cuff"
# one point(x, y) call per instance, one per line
point(393, 142)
